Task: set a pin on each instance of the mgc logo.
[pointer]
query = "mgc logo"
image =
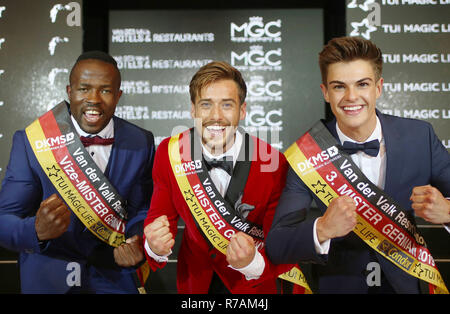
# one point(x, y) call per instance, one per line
point(257, 59)
point(256, 31)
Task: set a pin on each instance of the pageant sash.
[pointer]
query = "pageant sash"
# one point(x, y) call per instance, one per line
point(318, 160)
point(214, 216)
point(76, 177)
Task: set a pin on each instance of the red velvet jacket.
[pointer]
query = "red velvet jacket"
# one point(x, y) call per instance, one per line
point(197, 259)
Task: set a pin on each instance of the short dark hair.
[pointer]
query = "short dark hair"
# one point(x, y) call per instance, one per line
point(213, 72)
point(346, 49)
point(97, 55)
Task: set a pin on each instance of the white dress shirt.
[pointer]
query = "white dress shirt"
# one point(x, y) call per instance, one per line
point(99, 153)
point(221, 180)
point(374, 168)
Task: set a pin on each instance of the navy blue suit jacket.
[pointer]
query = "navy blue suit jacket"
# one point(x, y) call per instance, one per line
point(50, 269)
point(415, 157)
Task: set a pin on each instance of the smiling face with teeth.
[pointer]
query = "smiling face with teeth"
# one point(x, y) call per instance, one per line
point(94, 92)
point(217, 111)
point(352, 91)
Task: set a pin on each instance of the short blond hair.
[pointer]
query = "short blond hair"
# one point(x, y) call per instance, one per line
point(213, 72)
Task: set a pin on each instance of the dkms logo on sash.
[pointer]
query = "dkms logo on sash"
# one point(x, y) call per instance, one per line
point(54, 142)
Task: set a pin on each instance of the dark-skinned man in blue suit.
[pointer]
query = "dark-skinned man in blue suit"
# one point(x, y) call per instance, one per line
point(65, 246)
point(410, 165)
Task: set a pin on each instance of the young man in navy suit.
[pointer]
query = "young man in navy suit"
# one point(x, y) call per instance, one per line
point(77, 189)
point(404, 162)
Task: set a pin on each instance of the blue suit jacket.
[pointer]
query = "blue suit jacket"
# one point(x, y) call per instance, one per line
point(55, 267)
point(415, 157)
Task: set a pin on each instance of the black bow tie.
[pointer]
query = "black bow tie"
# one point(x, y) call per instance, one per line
point(96, 140)
point(226, 165)
point(370, 148)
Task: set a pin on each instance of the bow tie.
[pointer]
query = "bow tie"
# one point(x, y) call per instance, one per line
point(370, 148)
point(226, 165)
point(96, 140)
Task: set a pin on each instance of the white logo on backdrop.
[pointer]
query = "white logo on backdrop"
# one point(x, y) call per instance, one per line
point(55, 10)
point(365, 6)
point(2, 40)
point(257, 59)
point(2, 8)
point(369, 23)
point(260, 90)
point(134, 112)
point(54, 72)
point(73, 18)
point(256, 31)
point(362, 28)
point(258, 119)
point(54, 41)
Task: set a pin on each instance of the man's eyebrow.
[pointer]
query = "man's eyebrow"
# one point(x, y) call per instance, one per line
point(102, 86)
point(210, 99)
point(358, 81)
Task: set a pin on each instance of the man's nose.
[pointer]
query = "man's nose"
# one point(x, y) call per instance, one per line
point(351, 94)
point(93, 96)
point(216, 112)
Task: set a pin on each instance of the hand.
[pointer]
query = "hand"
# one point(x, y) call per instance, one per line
point(52, 218)
point(129, 253)
point(339, 219)
point(430, 204)
point(159, 237)
point(241, 250)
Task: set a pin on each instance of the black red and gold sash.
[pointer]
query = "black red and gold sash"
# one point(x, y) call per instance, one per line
point(214, 216)
point(76, 177)
point(381, 222)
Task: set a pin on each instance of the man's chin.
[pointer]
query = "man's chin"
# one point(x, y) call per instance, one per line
point(214, 145)
point(91, 129)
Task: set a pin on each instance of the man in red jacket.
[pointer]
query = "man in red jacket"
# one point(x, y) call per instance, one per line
point(225, 185)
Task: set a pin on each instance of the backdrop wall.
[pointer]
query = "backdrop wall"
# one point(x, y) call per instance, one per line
point(160, 46)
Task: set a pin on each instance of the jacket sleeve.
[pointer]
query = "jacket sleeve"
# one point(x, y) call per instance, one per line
point(20, 197)
point(440, 167)
point(139, 199)
point(272, 270)
point(290, 239)
point(162, 200)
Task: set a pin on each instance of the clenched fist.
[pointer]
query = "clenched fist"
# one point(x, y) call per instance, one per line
point(241, 250)
point(129, 253)
point(339, 219)
point(159, 237)
point(429, 203)
point(52, 218)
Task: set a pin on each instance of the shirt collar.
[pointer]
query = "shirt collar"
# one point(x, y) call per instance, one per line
point(107, 132)
point(376, 134)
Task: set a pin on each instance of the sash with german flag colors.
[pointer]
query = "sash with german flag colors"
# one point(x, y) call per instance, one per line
point(382, 223)
point(76, 177)
point(214, 216)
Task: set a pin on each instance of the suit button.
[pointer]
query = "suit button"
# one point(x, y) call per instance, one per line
point(213, 255)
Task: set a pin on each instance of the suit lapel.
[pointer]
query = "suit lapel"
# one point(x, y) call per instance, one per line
point(393, 155)
point(114, 160)
point(241, 170)
point(331, 126)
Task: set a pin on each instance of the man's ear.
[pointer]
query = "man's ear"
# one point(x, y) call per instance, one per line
point(324, 89)
point(192, 110)
point(243, 111)
point(379, 87)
